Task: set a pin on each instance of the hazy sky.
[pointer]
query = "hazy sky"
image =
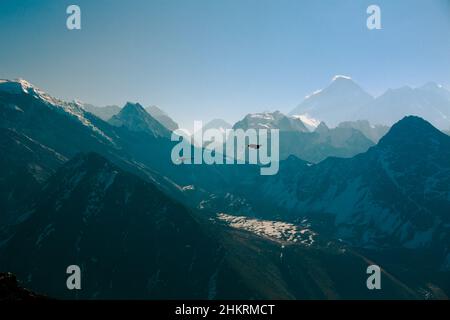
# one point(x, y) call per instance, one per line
point(202, 59)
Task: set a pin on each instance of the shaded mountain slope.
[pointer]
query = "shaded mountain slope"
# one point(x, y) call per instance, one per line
point(269, 269)
point(68, 129)
point(134, 117)
point(130, 240)
point(395, 194)
point(26, 164)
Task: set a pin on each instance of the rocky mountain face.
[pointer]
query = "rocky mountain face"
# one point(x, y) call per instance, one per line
point(134, 117)
point(127, 236)
point(135, 141)
point(132, 241)
point(394, 195)
point(274, 120)
point(26, 166)
point(30, 111)
point(107, 112)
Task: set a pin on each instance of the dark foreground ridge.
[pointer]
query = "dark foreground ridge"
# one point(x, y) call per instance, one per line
point(11, 291)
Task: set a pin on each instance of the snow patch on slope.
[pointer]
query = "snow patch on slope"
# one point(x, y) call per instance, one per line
point(265, 116)
point(275, 230)
point(310, 122)
point(313, 94)
point(340, 76)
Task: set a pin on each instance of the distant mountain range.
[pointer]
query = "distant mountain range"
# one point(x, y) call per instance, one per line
point(106, 196)
point(344, 100)
point(296, 139)
point(431, 102)
point(104, 113)
point(162, 117)
point(271, 120)
point(373, 132)
point(107, 112)
point(218, 124)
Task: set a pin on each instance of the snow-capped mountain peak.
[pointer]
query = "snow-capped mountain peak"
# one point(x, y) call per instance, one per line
point(21, 86)
point(336, 103)
point(341, 77)
point(309, 122)
point(271, 120)
point(15, 86)
point(73, 109)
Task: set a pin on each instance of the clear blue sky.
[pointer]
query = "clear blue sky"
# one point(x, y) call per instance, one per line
point(201, 59)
